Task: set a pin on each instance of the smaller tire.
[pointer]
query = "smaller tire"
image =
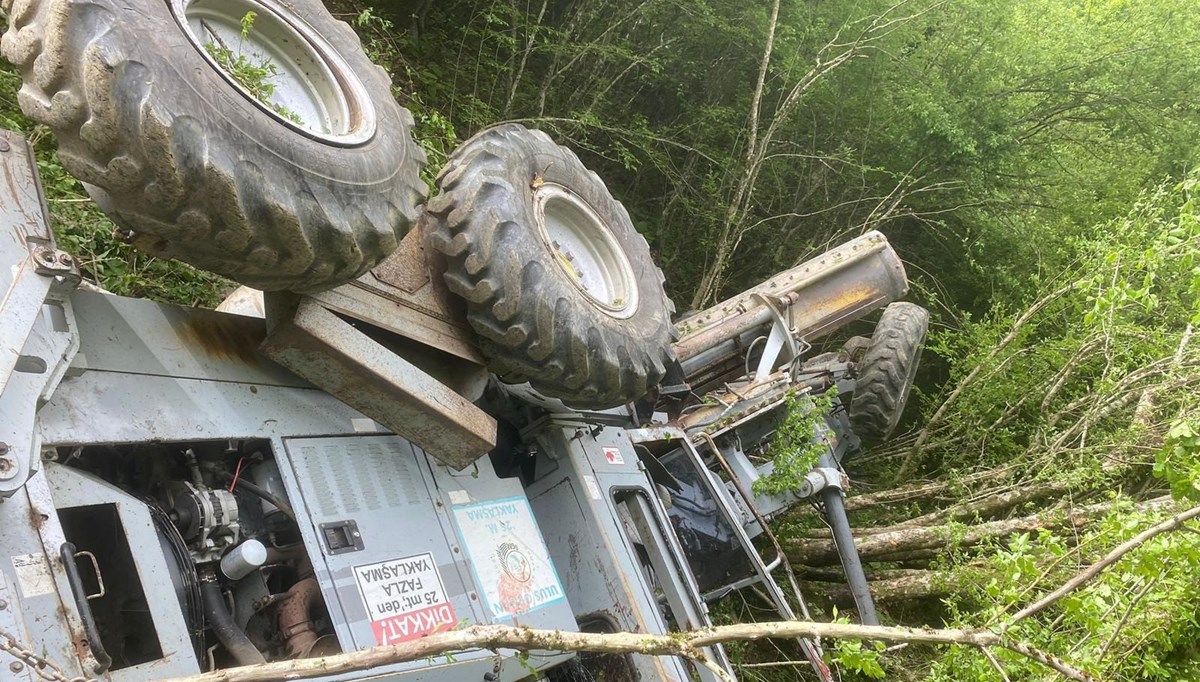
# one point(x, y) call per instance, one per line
point(887, 370)
point(559, 285)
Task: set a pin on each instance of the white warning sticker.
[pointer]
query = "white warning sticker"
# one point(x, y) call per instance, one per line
point(33, 574)
point(592, 486)
point(613, 456)
point(405, 598)
point(508, 555)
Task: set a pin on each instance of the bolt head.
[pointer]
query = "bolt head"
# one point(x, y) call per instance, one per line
point(3, 448)
point(65, 259)
point(16, 666)
point(3, 604)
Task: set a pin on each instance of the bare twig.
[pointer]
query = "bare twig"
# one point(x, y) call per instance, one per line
point(1133, 602)
point(996, 664)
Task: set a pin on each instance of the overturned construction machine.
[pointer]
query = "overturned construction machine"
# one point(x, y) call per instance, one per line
point(475, 410)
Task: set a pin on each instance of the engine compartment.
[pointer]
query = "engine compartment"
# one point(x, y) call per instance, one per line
point(237, 562)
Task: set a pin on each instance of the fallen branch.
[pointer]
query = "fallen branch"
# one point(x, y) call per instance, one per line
point(903, 541)
point(891, 586)
point(686, 644)
point(922, 491)
point(987, 506)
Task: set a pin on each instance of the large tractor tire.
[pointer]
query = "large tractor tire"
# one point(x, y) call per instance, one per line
point(559, 285)
point(886, 372)
point(251, 138)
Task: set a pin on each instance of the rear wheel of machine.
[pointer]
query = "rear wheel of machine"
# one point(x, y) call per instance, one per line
point(559, 285)
point(887, 370)
point(251, 138)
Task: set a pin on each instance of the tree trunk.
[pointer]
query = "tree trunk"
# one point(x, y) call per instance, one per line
point(899, 540)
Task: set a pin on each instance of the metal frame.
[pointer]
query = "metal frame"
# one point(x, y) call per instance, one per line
point(37, 339)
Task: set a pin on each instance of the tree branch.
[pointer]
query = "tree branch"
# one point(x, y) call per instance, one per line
point(686, 644)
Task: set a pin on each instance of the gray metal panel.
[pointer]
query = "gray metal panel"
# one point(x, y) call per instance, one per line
point(34, 580)
point(477, 485)
point(107, 407)
point(136, 336)
point(378, 483)
point(578, 518)
point(388, 488)
point(71, 488)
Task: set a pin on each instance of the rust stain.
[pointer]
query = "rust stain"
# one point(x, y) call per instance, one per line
point(849, 296)
point(223, 336)
point(75, 636)
point(37, 519)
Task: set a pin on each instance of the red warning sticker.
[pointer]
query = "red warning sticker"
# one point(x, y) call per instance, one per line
point(405, 598)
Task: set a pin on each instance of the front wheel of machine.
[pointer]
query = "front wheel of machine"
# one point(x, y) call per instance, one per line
point(251, 138)
point(559, 285)
point(887, 370)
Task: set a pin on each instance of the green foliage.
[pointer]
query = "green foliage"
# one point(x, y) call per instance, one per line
point(252, 74)
point(1085, 347)
point(1137, 621)
point(1088, 385)
point(799, 440)
point(858, 657)
point(1178, 462)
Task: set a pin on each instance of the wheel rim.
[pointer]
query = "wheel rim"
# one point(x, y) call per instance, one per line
point(586, 250)
point(282, 65)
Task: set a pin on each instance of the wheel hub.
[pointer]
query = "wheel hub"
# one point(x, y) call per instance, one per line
point(281, 64)
point(586, 250)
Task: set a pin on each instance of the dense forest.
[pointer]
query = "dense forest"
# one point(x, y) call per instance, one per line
point(1036, 163)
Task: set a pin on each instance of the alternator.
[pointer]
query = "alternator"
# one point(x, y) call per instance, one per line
point(207, 518)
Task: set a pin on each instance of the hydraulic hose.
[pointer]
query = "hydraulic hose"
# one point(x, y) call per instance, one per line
point(216, 613)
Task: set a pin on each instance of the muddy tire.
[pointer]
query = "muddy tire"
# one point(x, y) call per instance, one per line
point(301, 193)
point(559, 285)
point(886, 372)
